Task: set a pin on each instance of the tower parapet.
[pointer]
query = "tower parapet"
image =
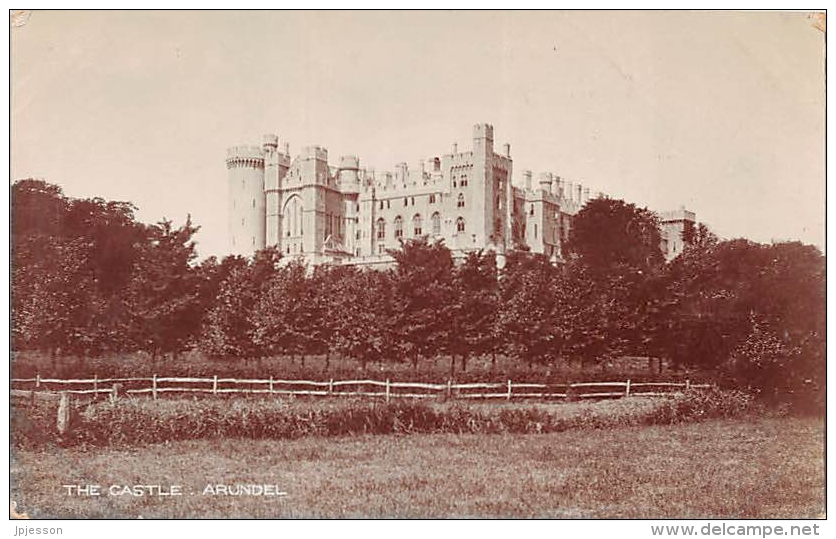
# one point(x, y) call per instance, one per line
point(244, 156)
point(270, 142)
point(348, 174)
point(314, 152)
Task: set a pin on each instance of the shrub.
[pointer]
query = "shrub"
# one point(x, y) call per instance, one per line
point(137, 421)
point(699, 404)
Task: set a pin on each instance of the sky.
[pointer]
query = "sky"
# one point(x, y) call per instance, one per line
point(722, 112)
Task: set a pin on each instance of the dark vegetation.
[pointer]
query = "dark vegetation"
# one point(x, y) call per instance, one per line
point(89, 281)
point(142, 421)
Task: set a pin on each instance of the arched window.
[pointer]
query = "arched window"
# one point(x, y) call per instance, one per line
point(436, 222)
point(398, 227)
point(463, 182)
point(381, 229)
point(416, 225)
point(460, 224)
point(292, 216)
point(460, 203)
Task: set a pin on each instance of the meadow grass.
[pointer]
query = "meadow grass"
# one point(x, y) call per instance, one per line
point(731, 468)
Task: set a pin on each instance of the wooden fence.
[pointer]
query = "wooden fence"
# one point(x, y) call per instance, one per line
point(158, 386)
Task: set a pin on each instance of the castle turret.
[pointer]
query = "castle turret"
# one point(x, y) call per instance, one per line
point(482, 208)
point(272, 185)
point(348, 174)
point(246, 204)
point(546, 181)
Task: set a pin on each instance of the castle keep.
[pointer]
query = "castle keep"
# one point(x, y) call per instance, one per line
point(347, 214)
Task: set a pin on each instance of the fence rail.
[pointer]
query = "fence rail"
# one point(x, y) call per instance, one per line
point(363, 388)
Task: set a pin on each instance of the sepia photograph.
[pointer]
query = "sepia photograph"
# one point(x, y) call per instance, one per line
point(431, 264)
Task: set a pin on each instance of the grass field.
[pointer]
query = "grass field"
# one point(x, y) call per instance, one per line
point(757, 468)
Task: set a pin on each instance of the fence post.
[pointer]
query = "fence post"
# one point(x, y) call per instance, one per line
point(63, 422)
point(114, 393)
point(449, 388)
point(508, 397)
point(215, 385)
point(627, 392)
point(687, 385)
point(271, 385)
point(154, 387)
point(37, 380)
point(96, 386)
point(387, 390)
point(330, 386)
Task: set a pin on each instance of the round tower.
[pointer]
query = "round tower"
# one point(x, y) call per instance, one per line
point(246, 205)
point(349, 178)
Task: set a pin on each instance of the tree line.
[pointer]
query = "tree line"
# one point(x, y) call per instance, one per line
point(88, 278)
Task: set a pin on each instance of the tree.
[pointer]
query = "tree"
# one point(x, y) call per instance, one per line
point(608, 233)
point(423, 298)
point(230, 331)
point(475, 311)
point(58, 307)
point(285, 313)
point(528, 308)
point(164, 295)
point(362, 325)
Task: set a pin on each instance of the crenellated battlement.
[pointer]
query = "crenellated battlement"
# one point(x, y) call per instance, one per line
point(314, 152)
point(678, 215)
point(244, 156)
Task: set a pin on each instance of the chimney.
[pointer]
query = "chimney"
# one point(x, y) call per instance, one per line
point(585, 194)
point(455, 148)
point(286, 148)
point(527, 178)
point(506, 149)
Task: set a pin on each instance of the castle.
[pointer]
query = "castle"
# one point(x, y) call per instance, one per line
point(346, 214)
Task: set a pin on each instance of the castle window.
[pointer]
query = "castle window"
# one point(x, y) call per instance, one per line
point(460, 224)
point(498, 202)
point(460, 203)
point(454, 183)
point(432, 199)
point(412, 201)
point(436, 223)
point(405, 201)
point(398, 227)
point(381, 204)
point(531, 211)
point(388, 205)
point(535, 231)
point(463, 183)
point(253, 203)
point(416, 225)
point(253, 240)
point(381, 229)
point(380, 248)
point(292, 216)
